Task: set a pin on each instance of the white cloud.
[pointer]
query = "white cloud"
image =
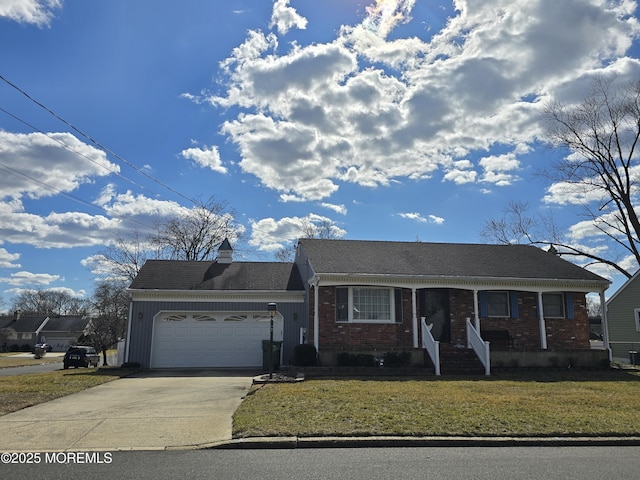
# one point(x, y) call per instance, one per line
point(42, 165)
point(285, 17)
point(27, 278)
point(496, 168)
point(269, 234)
point(205, 157)
point(415, 216)
point(37, 12)
point(341, 209)
point(7, 259)
point(368, 110)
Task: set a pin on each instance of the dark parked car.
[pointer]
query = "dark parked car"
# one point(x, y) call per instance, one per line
point(81, 356)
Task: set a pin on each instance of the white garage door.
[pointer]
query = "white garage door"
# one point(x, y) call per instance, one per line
point(211, 339)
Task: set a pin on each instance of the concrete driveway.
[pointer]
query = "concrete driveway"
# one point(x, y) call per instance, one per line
point(149, 411)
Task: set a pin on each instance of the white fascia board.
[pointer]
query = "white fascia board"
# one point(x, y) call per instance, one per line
point(464, 283)
point(624, 286)
point(253, 296)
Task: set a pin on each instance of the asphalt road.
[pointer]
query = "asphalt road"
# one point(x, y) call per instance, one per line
point(442, 463)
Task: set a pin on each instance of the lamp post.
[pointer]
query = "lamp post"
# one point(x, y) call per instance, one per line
point(272, 308)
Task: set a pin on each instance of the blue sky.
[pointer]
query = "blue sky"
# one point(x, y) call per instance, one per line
point(390, 119)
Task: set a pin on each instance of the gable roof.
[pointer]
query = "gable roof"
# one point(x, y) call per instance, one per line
point(236, 276)
point(450, 260)
point(66, 324)
point(24, 324)
point(623, 287)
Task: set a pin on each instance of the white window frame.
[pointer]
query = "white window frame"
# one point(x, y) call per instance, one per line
point(350, 306)
point(562, 303)
point(636, 316)
point(507, 300)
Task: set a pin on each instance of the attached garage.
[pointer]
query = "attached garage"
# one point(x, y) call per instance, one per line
point(213, 314)
point(217, 339)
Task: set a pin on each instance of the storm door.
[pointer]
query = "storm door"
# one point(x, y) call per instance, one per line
point(434, 305)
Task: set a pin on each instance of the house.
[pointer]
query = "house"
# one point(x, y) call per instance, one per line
point(623, 314)
point(365, 297)
point(212, 314)
point(23, 331)
point(20, 331)
point(375, 296)
point(60, 332)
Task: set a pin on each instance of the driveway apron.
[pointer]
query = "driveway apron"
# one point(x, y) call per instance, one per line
point(148, 411)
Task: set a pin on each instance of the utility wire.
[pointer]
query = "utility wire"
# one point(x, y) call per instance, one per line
point(71, 149)
point(13, 171)
point(95, 142)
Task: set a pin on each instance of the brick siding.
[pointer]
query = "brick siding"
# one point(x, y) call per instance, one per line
point(562, 334)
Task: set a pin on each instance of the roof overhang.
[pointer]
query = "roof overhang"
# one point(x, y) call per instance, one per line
point(463, 283)
point(251, 296)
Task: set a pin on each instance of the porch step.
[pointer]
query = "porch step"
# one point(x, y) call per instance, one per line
point(459, 361)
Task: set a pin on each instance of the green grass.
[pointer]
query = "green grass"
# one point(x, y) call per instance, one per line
point(21, 391)
point(561, 404)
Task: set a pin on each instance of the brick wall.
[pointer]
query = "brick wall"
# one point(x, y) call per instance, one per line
point(359, 336)
point(562, 334)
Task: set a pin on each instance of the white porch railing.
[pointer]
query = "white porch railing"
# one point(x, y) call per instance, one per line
point(430, 345)
point(474, 340)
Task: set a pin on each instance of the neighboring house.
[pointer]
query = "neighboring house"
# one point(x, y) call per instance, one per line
point(20, 330)
point(365, 297)
point(64, 331)
point(374, 296)
point(623, 314)
point(213, 313)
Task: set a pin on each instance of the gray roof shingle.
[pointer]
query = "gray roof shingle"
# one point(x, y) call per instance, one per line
point(440, 260)
point(193, 275)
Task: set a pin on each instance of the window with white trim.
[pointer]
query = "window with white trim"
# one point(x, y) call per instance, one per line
point(553, 305)
point(365, 304)
point(636, 315)
point(497, 304)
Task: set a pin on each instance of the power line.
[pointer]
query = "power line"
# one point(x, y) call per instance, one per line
point(71, 149)
point(95, 142)
point(14, 172)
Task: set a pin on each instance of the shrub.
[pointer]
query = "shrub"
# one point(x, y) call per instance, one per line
point(305, 355)
point(397, 359)
point(356, 360)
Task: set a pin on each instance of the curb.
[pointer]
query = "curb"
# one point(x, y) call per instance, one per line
point(377, 442)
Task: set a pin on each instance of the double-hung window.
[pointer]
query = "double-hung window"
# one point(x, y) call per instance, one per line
point(365, 304)
point(553, 305)
point(497, 304)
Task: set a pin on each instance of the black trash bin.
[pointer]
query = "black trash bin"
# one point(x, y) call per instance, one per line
point(633, 357)
point(277, 346)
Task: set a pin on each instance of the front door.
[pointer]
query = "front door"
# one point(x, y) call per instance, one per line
point(434, 305)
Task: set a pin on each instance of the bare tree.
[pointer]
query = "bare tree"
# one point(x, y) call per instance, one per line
point(126, 256)
point(111, 308)
point(196, 234)
point(49, 302)
point(601, 136)
point(192, 235)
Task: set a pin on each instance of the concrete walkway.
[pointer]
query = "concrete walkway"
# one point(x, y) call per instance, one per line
point(149, 411)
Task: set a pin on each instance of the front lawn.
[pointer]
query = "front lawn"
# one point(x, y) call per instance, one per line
point(16, 360)
point(21, 391)
point(542, 404)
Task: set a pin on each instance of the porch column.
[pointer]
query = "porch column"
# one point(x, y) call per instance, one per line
point(476, 310)
point(605, 324)
point(543, 326)
point(414, 318)
point(316, 316)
